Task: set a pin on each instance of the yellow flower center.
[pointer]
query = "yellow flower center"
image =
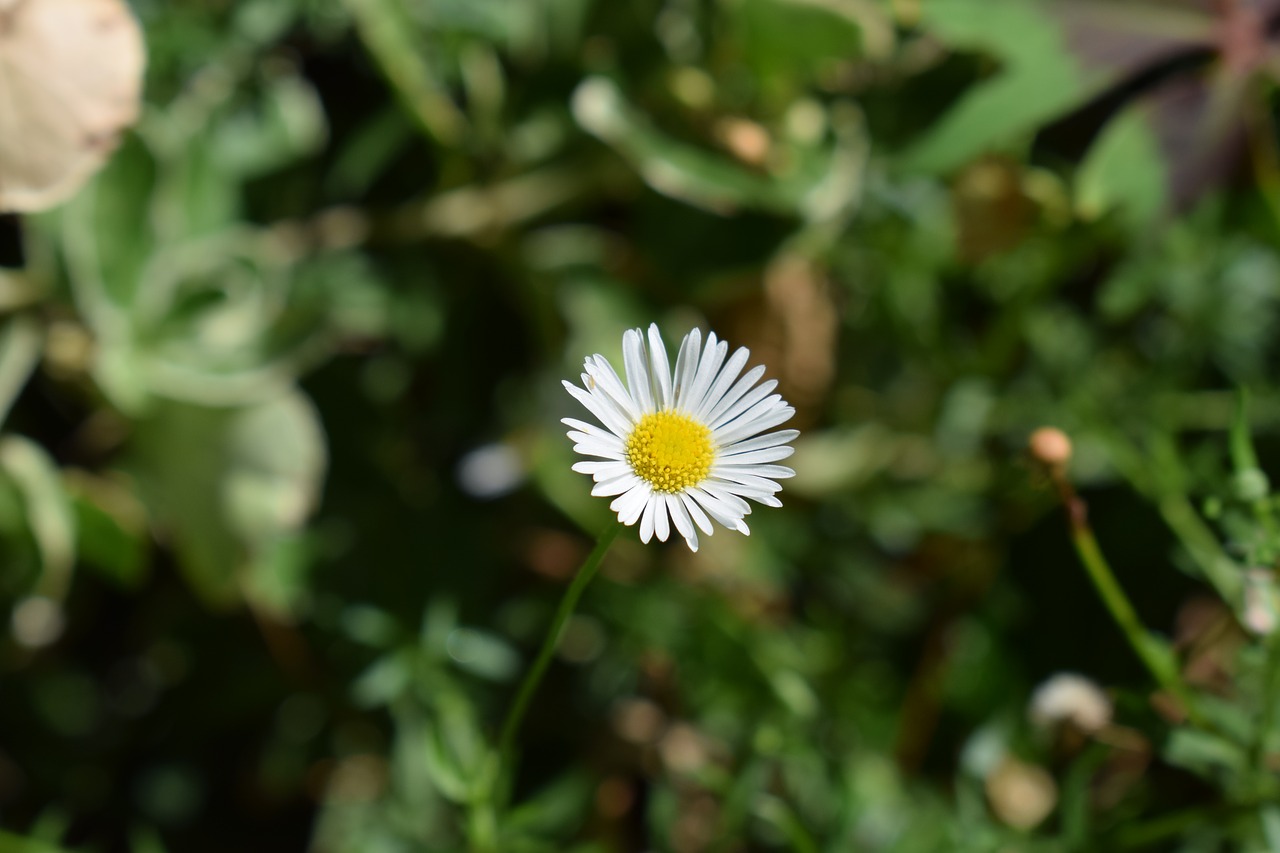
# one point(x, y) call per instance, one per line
point(670, 451)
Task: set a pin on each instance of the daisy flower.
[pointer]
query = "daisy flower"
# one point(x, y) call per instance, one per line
point(681, 447)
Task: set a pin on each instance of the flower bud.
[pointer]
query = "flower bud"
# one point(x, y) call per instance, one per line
point(1051, 446)
point(1070, 698)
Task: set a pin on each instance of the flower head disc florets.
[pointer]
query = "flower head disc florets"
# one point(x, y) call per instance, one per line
point(680, 446)
point(670, 451)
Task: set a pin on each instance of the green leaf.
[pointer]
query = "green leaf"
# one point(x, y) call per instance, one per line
point(456, 752)
point(785, 41)
point(20, 342)
point(483, 654)
point(1040, 79)
point(822, 186)
point(112, 528)
point(105, 260)
point(555, 809)
point(385, 680)
point(283, 124)
point(10, 843)
point(1204, 754)
point(1124, 170)
point(226, 484)
point(50, 517)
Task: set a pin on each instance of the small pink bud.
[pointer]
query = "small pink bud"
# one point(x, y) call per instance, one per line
point(1051, 446)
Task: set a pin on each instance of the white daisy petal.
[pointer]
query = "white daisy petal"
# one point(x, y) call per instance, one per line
point(753, 480)
point(725, 378)
point(646, 519)
point(734, 394)
point(616, 486)
point(747, 402)
point(619, 422)
point(680, 517)
point(740, 490)
point(661, 525)
point(695, 512)
point(633, 358)
point(585, 430)
point(592, 447)
point(772, 416)
point(602, 470)
point(660, 367)
point(598, 406)
point(760, 442)
point(712, 357)
point(598, 437)
point(715, 507)
point(752, 457)
point(601, 437)
point(629, 505)
point(602, 371)
point(686, 367)
point(773, 472)
point(721, 493)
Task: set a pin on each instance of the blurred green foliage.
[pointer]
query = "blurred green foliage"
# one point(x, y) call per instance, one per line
point(284, 500)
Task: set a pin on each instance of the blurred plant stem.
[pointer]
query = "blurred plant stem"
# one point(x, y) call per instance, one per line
point(1168, 492)
point(385, 29)
point(1267, 718)
point(1244, 460)
point(1151, 651)
point(484, 812)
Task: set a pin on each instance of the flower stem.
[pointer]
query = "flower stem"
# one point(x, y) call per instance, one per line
point(511, 726)
point(1157, 660)
point(1267, 719)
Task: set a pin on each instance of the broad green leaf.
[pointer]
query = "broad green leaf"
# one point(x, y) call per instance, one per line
point(1047, 68)
point(1205, 754)
point(105, 260)
point(1039, 79)
point(1124, 170)
point(227, 483)
point(785, 41)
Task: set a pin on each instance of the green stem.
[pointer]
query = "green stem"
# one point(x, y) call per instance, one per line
point(1267, 719)
point(1170, 496)
point(1245, 461)
point(1113, 596)
point(1139, 835)
point(511, 726)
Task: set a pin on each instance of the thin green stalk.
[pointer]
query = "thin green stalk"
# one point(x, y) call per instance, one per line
point(1267, 719)
point(1169, 493)
point(1245, 461)
point(511, 726)
point(1204, 548)
point(386, 31)
point(1146, 835)
point(1113, 596)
